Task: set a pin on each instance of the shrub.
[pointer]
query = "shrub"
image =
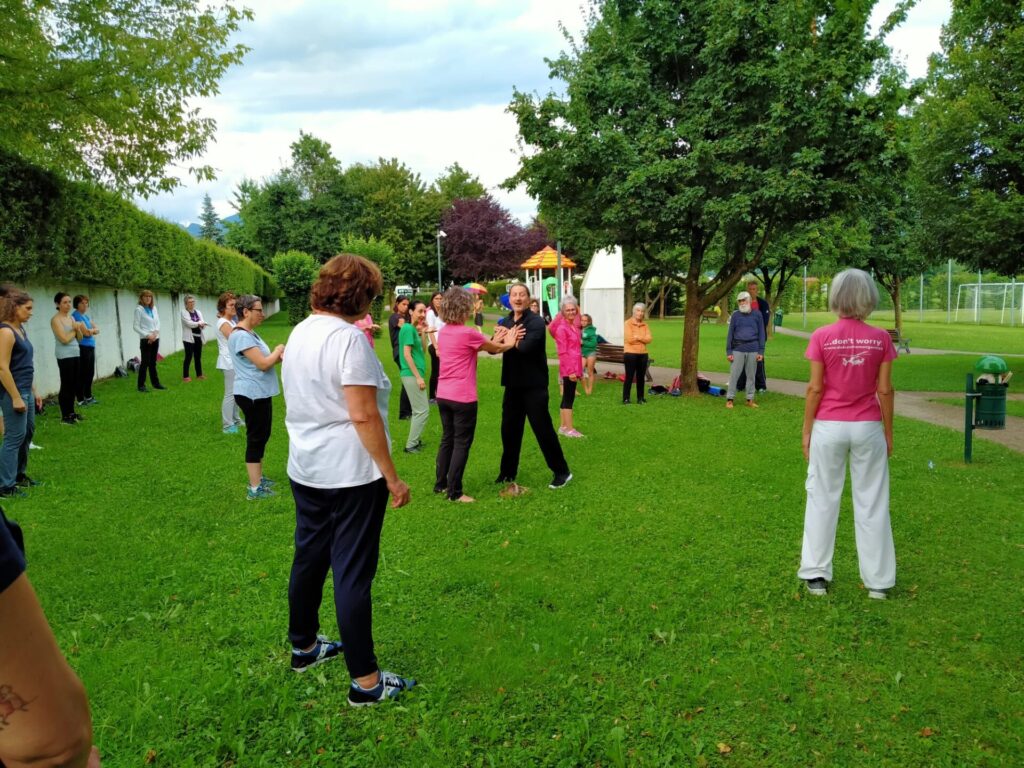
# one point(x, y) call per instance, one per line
point(295, 273)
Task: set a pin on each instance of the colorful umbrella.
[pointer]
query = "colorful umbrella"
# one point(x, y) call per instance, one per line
point(475, 288)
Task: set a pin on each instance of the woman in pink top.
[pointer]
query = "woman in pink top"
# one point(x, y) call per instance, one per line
point(368, 327)
point(848, 415)
point(566, 329)
point(456, 388)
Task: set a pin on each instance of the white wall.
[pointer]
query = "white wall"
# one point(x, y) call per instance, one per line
point(112, 310)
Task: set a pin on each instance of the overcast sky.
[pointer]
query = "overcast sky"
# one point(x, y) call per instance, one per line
point(426, 81)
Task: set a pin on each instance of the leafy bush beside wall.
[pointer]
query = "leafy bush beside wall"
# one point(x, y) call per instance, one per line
point(76, 232)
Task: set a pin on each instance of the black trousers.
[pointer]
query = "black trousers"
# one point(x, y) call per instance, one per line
point(68, 368)
point(636, 369)
point(258, 415)
point(147, 354)
point(435, 373)
point(339, 529)
point(193, 350)
point(86, 372)
point(760, 380)
point(458, 425)
point(404, 406)
point(568, 393)
point(518, 405)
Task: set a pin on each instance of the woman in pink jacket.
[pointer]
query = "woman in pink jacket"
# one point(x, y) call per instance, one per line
point(566, 330)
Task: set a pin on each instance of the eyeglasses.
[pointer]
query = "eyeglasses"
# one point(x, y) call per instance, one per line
point(257, 309)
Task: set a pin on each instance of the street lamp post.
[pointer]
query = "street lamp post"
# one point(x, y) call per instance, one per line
point(440, 234)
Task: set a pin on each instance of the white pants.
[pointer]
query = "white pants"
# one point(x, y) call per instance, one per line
point(228, 408)
point(864, 443)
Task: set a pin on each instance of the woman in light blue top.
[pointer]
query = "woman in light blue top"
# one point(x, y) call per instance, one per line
point(87, 348)
point(255, 384)
point(67, 332)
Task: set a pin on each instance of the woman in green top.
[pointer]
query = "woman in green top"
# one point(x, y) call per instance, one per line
point(413, 366)
point(589, 351)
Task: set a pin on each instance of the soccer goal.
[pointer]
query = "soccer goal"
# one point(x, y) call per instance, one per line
point(990, 303)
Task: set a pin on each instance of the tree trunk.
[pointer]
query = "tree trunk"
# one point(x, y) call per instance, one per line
point(895, 293)
point(661, 301)
point(691, 333)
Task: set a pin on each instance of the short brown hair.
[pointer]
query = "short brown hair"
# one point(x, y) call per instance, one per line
point(346, 285)
point(144, 293)
point(10, 299)
point(456, 305)
point(222, 301)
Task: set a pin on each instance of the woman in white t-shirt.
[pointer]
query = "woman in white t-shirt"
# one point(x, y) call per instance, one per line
point(230, 420)
point(341, 472)
point(434, 326)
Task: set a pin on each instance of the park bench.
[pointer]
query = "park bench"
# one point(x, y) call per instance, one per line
point(709, 316)
point(612, 353)
point(899, 341)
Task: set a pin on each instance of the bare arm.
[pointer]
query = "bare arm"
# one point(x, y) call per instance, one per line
point(264, 362)
point(886, 399)
point(815, 389)
point(50, 723)
point(407, 354)
point(64, 337)
point(6, 379)
point(225, 329)
point(361, 402)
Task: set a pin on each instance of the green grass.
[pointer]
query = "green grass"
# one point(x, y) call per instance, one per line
point(645, 615)
point(785, 358)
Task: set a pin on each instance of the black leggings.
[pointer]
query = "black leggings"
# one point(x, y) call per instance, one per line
point(636, 368)
point(193, 350)
point(458, 425)
point(568, 393)
point(86, 372)
point(147, 354)
point(435, 372)
point(68, 368)
point(258, 415)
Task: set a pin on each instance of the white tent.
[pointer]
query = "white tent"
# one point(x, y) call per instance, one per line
point(603, 294)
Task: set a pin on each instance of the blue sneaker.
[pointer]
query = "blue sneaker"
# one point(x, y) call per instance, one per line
point(389, 687)
point(323, 650)
point(259, 493)
point(267, 483)
point(232, 430)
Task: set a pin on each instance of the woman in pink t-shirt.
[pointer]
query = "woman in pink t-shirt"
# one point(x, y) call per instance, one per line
point(458, 346)
point(567, 331)
point(848, 415)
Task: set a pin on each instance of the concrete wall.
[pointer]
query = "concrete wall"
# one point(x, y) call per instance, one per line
point(112, 310)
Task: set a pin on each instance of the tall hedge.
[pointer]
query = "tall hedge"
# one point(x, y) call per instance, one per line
point(53, 228)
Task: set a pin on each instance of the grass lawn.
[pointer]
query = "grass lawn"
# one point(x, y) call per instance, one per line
point(785, 358)
point(647, 615)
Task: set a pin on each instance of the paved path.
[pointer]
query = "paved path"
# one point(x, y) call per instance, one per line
point(912, 405)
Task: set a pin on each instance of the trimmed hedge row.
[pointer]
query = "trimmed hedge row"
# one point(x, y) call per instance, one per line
point(63, 230)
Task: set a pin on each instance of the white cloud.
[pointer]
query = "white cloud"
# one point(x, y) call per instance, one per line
point(426, 81)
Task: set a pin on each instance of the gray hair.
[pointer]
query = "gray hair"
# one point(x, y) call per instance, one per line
point(189, 297)
point(853, 294)
point(639, 305)
point(243, 302)
point(567, 300)
point(456, 305)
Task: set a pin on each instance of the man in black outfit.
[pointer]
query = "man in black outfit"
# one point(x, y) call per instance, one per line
point(757, 304)
point(524, 375)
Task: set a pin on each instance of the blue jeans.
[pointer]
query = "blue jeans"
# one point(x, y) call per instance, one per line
point(18, 431)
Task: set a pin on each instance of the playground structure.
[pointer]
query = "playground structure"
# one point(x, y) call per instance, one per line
point(546, 289)
point(603, 294)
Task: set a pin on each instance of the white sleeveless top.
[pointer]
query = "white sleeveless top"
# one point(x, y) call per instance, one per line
point(224, 361)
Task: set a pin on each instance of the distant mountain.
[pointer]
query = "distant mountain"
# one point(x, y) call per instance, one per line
point(196, 230)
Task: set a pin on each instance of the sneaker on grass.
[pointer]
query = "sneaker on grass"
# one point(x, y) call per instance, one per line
point(390, 685)
point(266, 482)
point(231, 430)
point(878, 594)
point(323, 650)
point(817, 586)
point(560, 481)
point(259, 493)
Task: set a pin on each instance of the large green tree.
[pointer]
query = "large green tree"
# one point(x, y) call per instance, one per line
point(211, 228)
point(106, 90)
point(969, 142)
point(684, 121)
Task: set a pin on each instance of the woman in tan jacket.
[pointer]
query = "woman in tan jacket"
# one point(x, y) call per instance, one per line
point(636, 335)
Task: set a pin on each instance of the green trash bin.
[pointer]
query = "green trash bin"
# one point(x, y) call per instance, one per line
point(990, 412)
point(778, 318)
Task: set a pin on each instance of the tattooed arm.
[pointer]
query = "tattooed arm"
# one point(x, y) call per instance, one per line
point(44, 713)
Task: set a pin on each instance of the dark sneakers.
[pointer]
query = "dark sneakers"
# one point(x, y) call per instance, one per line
point(817, 586)
point(560, 481)
point(26, 482)
point(389, 687)
point(14, 492)
point(323, 650)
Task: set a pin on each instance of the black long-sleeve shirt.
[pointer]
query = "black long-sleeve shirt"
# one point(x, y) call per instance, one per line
point(526, 364)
